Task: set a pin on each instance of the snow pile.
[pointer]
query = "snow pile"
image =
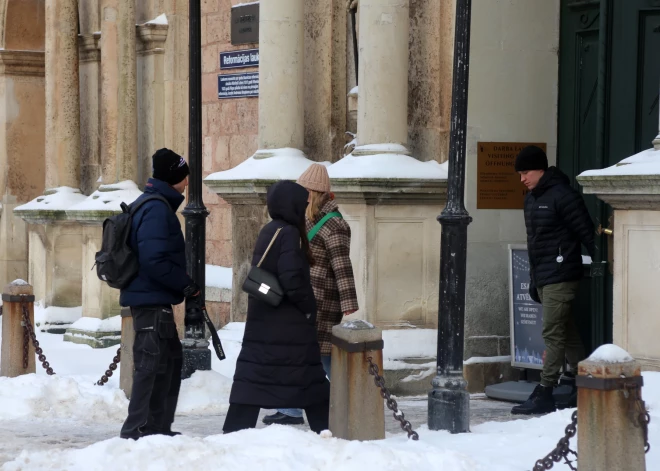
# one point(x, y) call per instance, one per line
point(19, 282)
point(159, 20)
point(205, 392)
point(645, 163)
point(92, 324)
point(56, 315)
point(357, 325)
point(285, 164)
point(231, 336)
point(410, 343)
point(109, 197)
point(58, 199)
point(610, 354)
point(218, 277)
point(60, 397)
point(391, 166)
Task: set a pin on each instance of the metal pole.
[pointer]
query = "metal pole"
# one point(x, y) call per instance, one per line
point(449, 401)
point(196, 354)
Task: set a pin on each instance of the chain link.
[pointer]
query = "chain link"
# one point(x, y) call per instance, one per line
point(28, 333)
point(638, 413)
point(562, 450)
point(391, 403)
point(113, 366)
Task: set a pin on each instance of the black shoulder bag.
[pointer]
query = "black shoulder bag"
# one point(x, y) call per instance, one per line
point(262, 284)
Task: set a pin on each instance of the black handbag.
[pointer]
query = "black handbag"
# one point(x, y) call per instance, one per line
point(262, 284)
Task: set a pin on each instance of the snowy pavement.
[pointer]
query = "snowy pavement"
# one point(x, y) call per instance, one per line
point(64, 422)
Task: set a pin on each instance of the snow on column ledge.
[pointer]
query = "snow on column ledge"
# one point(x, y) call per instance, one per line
point(610, 353)
point(104, 202)
point(51, 206)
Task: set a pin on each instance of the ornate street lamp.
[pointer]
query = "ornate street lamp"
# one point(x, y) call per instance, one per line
point(449, 401)
point(196, 354)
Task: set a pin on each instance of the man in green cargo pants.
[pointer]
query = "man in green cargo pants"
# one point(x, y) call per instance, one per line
point(558, 224)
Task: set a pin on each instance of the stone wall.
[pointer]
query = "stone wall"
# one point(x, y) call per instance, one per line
point(512, 98)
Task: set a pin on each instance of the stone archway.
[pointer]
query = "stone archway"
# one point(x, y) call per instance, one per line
point(24, 25)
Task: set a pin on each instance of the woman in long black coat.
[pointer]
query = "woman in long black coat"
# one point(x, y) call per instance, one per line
point(280, 361)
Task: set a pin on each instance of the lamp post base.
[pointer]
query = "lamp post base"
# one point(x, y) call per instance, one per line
point(196, 356)
point(449, 405)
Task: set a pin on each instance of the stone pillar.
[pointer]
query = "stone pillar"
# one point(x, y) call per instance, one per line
point(610, 434)
point(119, 91)
point(151, 110)
point(356, 406)
point(12, 329)
point(22, 146)
point(90, 116)
point(62, 95)
point(383, 75)
point(281, 73)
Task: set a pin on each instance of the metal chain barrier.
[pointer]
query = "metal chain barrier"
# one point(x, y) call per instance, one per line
point(28, 333)
point(113, 366)
point(562, 450)
point(391, 403)
point(638, 414)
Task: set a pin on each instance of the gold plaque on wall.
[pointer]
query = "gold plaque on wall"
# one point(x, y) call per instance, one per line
point(498, 184)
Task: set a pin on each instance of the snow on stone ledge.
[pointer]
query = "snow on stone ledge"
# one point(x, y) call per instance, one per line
point(285, 164)
point(357, 325)
point(645, 163)
point(159, 20)
point(394, 166)
point(19, 282)
point(354, 91)
point(498, 359)
point(58, 199)
point(109, 197)
point(610, 354)
point(92, 324)
point(218, 277)
point(56, 315)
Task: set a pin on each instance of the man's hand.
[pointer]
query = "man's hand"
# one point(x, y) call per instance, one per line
point(534, 293)
point(191, 291)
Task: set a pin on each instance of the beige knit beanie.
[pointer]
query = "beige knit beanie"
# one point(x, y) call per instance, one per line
point(315, 178)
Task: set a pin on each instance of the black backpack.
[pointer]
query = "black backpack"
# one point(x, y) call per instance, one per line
point(116, 264)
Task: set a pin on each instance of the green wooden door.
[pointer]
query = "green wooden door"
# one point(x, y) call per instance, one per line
point(608, 110)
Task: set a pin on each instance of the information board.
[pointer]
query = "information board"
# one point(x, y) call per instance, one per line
point(245, 23)
point(498, 184)
point(238, 85)
point(239, 59)
point(526, 315)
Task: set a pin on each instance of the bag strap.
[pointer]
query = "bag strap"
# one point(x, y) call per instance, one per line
point(319, 225)
point(132, 208)
point(272, 241)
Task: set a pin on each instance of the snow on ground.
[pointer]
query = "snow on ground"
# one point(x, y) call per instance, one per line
point(56, 315)
point(58, 414)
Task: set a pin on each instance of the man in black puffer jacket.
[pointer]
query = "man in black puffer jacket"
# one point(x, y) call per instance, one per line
point(558, 224)
point(161, 281)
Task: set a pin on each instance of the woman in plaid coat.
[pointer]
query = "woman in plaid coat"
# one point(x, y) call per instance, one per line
point(332, 273)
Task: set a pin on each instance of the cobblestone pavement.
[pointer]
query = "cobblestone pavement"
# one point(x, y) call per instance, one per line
point(19, 435)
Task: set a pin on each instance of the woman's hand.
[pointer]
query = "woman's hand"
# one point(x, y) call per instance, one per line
point(348, 313)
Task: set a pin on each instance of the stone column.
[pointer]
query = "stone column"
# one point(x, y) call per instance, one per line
point(151, 111)
point(119, 91)
point(281, 70)
point(383, 75)
point(62, 95)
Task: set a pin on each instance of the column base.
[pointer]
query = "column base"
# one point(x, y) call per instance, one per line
point(449, 405)
point(96, 333)
point(375, 149)
point(196, 356)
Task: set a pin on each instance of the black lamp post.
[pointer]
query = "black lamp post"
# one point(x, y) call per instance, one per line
point(196, 354)
point(449, 401)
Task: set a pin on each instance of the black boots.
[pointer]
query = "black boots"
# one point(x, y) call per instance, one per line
point(282, 419)
point(541, 401)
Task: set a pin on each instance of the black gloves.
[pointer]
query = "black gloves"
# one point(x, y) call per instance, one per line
point(534, 293)
point(193, 308)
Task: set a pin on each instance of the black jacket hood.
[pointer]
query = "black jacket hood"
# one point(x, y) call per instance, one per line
point(553, 176)
point(287, 201)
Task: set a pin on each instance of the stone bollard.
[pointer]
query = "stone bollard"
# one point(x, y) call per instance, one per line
point(356, 406)
point(127, 365)
point(610, 435)
point(12, 359)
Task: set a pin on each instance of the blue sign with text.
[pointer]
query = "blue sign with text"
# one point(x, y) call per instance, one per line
point(238, 85)
point(239, 59)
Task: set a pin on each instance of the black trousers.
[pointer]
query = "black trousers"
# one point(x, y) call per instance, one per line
point(158, 358)
point(241, 417)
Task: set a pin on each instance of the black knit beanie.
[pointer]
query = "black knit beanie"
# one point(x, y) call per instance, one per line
point(170, 167)
point(531, 158)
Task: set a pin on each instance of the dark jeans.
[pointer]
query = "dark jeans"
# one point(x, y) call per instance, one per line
point(241, 417)
point(158, 359)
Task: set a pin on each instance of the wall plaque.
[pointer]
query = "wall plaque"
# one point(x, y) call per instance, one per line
point(498, 184)
point(239, 59)
point(238, 85)
point(245, 23)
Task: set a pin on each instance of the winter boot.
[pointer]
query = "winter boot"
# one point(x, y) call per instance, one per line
point(570, 400)
point(282, 419)
point(541, 401)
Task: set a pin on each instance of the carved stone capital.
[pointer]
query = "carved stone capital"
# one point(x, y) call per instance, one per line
point(151, 38)
point(89, 47)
